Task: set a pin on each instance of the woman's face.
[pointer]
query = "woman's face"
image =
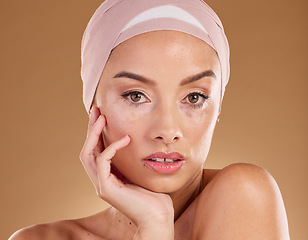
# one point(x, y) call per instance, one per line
point(162, 89)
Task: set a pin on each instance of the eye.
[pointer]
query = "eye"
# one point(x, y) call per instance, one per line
point(195, 99)
point(135, 97)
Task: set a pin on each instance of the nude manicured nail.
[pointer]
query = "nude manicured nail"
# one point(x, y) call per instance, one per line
point(90, 114)
point(125, 138)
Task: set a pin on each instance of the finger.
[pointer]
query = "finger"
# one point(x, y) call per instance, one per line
point(100, 144)
point(87, 155)
point(106, 179)
point(115, 171)
point(91, 170)
point(94, 136)
point(94, 115)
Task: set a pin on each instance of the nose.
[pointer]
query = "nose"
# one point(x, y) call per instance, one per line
point(165, 127)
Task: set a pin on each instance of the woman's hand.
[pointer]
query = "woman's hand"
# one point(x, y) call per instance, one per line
point(152, 212)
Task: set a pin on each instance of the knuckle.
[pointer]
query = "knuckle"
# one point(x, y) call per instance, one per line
point(81, 156)
point(99, 193)
point(102, 192)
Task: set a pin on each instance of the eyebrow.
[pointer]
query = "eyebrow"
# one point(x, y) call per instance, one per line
point(208, 73)
point(123, 74)
point(135, 77)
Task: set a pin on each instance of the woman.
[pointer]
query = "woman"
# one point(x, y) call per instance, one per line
point(154, 75)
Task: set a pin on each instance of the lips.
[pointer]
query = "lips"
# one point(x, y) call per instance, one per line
point(165, 163)
point(161, 155)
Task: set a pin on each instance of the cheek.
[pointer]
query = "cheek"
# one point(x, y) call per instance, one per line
point(122, 120)
point(199, 121)
point(201, 131)
point(200, 143)
point(199, 128)
point(115, 126)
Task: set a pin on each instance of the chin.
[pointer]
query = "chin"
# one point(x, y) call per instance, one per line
point(166, 183)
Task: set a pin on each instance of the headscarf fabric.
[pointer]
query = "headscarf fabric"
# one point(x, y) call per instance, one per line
point(118, 20)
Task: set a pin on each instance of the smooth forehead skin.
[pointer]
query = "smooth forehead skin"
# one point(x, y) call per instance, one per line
point(116, 21)
point(178, 45)
point(143, 54)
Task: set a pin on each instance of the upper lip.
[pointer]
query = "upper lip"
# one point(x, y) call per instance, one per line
point(172, 155)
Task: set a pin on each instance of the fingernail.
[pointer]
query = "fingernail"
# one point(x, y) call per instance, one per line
point(90, 113)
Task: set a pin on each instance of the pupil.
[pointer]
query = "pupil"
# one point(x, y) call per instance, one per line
point(135, 97)
point(193, 98)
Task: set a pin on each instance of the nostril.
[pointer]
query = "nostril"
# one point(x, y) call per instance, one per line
point(166, 140)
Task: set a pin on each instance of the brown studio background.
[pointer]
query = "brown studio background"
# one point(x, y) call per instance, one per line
point(43, 122)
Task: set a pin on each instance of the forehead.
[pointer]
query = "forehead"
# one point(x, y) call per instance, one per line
point(164, 56)
point(168, 43)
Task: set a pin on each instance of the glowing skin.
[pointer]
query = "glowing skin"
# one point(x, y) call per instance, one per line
point(166, 113)
point(167, 116)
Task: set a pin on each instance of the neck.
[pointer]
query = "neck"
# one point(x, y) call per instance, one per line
point(186, 195)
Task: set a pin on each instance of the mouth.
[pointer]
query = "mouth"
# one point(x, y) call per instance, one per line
point(163, 160)
point(164, 163)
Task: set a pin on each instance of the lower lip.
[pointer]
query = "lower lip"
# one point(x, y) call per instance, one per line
point(164, 168)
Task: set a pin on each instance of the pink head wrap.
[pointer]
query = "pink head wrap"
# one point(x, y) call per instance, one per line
point(118, 20)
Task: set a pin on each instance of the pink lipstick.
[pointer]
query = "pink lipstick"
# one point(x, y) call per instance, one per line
point(164, 163)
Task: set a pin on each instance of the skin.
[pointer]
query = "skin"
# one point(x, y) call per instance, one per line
point(187, 130)
point(166, 113)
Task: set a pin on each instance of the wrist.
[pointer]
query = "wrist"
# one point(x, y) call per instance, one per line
point(156, 230)
point(152, 233)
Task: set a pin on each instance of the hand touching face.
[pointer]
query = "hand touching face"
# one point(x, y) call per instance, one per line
point(163, 90)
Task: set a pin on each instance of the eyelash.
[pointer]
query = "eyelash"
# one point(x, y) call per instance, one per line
point(137, 104)
point(199, 94)
point(129, 93)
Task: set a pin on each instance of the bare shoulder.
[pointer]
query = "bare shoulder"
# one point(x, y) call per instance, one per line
point(249, 179)
point(244, 178)
point(61, 230)
point(243, 200)
point(240, 172)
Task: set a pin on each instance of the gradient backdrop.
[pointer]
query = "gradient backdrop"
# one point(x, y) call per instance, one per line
point(43, 122)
